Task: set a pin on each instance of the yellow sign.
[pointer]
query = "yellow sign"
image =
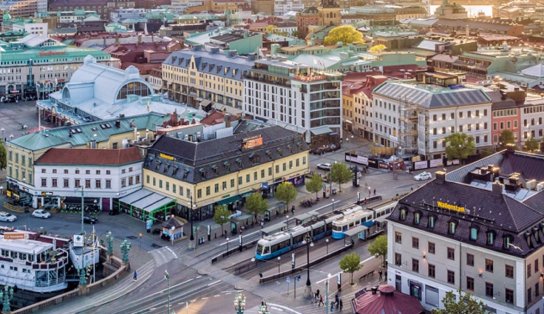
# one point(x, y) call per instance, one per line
point(166, 156)
point(14, 236)
point(455, 208)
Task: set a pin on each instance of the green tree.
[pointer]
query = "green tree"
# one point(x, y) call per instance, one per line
point(340, 173)
point(465, 305)
point(256, 204)
point(378, 247)
point(350, 263)
point(314, 184)
point(3, 156)
point(486, 152)
point(532, 145)
point(286, 192)
point(377, 48)
point(346, 34)
point(460, 146)
point(221, 216)
point(506, 137)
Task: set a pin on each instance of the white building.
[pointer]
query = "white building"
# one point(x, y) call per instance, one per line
point(291, 95)
point(419, 116)
point(40, 29)
point(61, 174)
point(531, 118)
point(282, 7)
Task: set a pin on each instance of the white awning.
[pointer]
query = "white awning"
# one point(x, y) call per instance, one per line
point(146, 200)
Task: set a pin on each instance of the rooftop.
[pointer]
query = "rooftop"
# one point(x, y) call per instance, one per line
point(84, 156)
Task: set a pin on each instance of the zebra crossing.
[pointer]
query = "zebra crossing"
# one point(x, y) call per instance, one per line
point(163, 255)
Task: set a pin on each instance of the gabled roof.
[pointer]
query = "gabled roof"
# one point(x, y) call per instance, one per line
point(535, 70)
point(84, 156)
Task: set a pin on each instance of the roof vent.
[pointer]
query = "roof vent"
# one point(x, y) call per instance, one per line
point(117, 123)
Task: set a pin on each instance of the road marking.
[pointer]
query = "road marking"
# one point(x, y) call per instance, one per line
point(283, 307)
point(217, 295)
point(171, 251)
point(193, 300)
point(213, 283)
point(198, 276)
point(204, 298)
point(276, 308)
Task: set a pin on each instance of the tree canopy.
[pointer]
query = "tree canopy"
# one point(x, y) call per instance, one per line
point(3, 156)
point(286, 192)
point(465, 305)
point(460, 146)
point(532, 145)
point(350, 263)
point(506, 137)
point(314, 184)
point(377, 48)
point(340, 173)
point(256, 204)
point(346, 34)
point(221, 216)
point(378, 247)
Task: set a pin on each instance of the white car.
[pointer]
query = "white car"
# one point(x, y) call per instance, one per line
point(423, 176)
point(7, 217)
point(40, 213)
point(324, 166)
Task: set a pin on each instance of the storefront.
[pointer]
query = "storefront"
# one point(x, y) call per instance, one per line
point(145, 204)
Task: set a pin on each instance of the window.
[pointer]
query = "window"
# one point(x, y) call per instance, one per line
point(65, 171)
point(431, 271)
point(108, 172)
point(44, 182)
point(415, 265)
point(489, 265)
point(451, 277)
point(66, 183)
point(216, 188)
point(54, 182)
point(208, 191)
point(398, 237)
point(87, 171)
point(415, 243)
point(509, 271)
point(489, 289)
point(490, 238)
point(452, 226)
point(529, 295)
point(537, 290)
point(124, 183)
point(398, 259)
point(470, 283)
point(417, 218)
point(402, 215)
point(97, 171)
point(231, 183)
point(470, 259)
point(528, 270)
point(199, 193)
point(77, 183)
point(473, 233)
point(431, 222)
point(248, 178)
point(43, 170)
point(509, 296)
point(98, 184)
point(108, 184)
point(77, 171)
point(431, 248)
point(131, 182)
point(536, 266)
point(451, 253)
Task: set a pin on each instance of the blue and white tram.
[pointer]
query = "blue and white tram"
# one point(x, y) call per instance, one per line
point(350, 222)
point(362, 222)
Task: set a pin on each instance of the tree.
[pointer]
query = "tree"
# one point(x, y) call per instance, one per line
point(346, 34)
point(377, 49)
point(532, 145)
point(460, 146)
point(3, 157)
point(256, 204)
point(286, 192)
point(350, 263)
point(221, 216)
point(340, 173)
point(506, 137)
point(465, 305)
point(314, 184)
point(378, 247)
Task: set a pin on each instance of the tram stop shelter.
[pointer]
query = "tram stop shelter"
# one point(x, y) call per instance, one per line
point(172, 228)
point(146, 204)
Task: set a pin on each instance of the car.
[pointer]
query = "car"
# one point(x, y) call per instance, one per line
point(423, 176)
point(89, 220)
point(324, 166)
point(41, 213)
point(7, 217)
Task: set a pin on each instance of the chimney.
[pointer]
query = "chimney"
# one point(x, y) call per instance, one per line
point(497, 187)
point(252, 56)
point(440, 176)
point(117, 123)
point(227, 120)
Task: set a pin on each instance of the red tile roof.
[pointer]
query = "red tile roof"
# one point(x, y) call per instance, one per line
point(76, 156)
point(386, 300)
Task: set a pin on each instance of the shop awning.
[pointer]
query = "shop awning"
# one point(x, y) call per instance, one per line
point(146, 200)
point(229, 200)
point(135, 196)
point(321, 130)
point(356, 230)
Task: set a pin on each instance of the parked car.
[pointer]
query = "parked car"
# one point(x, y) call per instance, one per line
point(41, 213)
point(423, 176)
point(4, 216)
point(324, 166)
point(90, 220)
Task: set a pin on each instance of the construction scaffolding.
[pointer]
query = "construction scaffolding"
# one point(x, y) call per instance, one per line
point(410, 127)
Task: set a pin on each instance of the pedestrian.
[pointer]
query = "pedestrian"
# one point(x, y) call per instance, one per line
point(336, 299)
point(320, 301)
point(293, 209)
point(374, 191)
point(135, 276)
point(380, 273)
point(332, 306)
point(262, 224)
point(341, 305)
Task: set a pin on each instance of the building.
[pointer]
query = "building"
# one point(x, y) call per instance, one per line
point(22, 8)
point(200, 167)
point(417, 115)
point(103, 7)
point(200, 77)
point(476, 229)
point(385, 299)
point(22, 152)
point(282, 7)
point(305, 19)
point(451, 11)
point(98, 92)
point(241, 41)
point(36, 65)
point(266, 7)
point(62, 174)
point(291, 95)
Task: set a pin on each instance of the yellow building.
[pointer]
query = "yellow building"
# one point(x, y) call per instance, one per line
point(329, 13)
point(201, 173)
point(105, 134)
point(200, 77)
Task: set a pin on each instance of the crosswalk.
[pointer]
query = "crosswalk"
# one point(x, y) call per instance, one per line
point(163, 255)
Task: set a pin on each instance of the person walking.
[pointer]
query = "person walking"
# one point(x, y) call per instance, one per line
point(341, 305)
point(321, 301)
point(374, 191)
point(135, 276)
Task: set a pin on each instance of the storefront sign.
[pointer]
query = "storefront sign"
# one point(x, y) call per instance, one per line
point(421, 165)
point(436, 163)
point(452, 207)
point(14, 236)
point(252, 142)
point(164, 156)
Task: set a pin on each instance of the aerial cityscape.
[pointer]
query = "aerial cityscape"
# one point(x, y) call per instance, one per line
point(272, 156)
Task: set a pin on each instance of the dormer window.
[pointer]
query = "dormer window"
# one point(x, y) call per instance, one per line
point(417, 218)
point(431, 222)
point(507, 241)
point(473, 233)
point(452, 227)
point(402, 215)
point(490, 239)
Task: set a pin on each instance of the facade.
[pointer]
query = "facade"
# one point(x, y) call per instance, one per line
point(289, 94)
point(36, 65)
point(305, 19)
point(61, 174)
point(242, 42)
point(22, 152)
point(22, 8)
point(201, 167)
point(418, 115)
point(476, 229)
point(103, 7)
point(198, 76)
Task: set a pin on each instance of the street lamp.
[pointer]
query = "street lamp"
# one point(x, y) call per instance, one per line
point(140, 235)
point(327, 293)
point(82, 209)
point(333, 204)
point(279, 264)
point(227, 245)
point(240, 303)
point(191, 208)
point(167, 278)
point(308, 242)
point(327, 241)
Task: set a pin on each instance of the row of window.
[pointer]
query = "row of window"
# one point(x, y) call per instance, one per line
point(125, 182)
point(77, 171)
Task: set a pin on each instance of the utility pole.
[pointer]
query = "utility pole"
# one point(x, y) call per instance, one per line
point(167, 278)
